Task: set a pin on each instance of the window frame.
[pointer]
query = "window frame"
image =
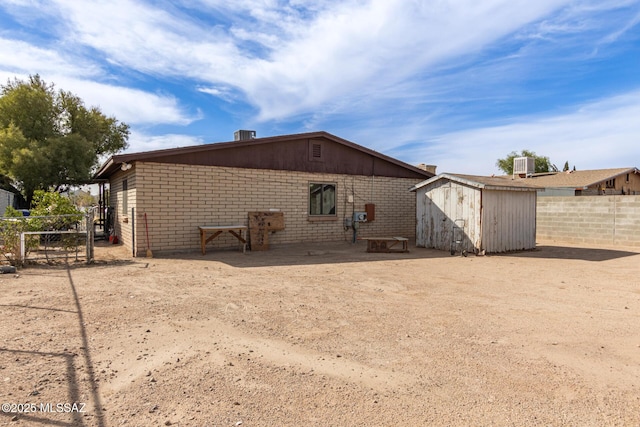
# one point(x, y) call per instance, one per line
point(322, 216)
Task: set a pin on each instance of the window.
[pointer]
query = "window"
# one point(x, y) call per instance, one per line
point(322, 199)
point(125, 196)
point(611, 183)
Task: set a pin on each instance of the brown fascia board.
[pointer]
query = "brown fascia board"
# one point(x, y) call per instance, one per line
point(112, 163)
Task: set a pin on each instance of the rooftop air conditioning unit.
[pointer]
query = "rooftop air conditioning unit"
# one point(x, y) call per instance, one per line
point(243, 135)
point(524, 166)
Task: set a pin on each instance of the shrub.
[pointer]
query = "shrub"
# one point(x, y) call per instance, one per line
point(50, 212)
point(10, 229)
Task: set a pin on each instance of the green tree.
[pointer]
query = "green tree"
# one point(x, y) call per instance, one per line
point(542, 163)
point(566, 166)
point(48, 138)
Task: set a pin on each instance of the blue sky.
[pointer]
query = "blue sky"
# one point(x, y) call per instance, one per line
point(455, 83)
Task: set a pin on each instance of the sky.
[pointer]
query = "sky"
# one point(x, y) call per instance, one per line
point(453, 83)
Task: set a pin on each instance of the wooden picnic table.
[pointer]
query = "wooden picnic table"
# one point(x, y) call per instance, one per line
point(236, 230)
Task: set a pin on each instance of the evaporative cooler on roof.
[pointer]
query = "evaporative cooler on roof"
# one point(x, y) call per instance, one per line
point(524, 166)
point(243, 135)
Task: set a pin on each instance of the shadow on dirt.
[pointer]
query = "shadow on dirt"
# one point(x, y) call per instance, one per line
point(75, 390)
point(567, 252)
point(332, 253)
point(305, 254)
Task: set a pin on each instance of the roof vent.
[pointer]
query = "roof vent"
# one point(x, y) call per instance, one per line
point(243, 135)
point(524, 166)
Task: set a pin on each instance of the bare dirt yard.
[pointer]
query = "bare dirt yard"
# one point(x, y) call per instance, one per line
point(324, 335)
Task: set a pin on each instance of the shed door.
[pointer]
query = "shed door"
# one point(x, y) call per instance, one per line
point(451, 214)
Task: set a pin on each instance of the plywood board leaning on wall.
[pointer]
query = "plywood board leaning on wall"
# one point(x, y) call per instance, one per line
point(260, 225)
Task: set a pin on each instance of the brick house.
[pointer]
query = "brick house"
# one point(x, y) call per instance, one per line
point(317, 180)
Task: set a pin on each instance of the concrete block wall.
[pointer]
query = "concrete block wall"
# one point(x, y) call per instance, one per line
point(606, 220)
point(179, 198)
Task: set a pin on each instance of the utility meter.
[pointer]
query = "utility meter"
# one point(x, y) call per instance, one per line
point(359, 217)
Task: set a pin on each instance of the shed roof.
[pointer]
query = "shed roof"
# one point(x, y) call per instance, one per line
point(214, 154)
point(482, 182)
point(577, 179)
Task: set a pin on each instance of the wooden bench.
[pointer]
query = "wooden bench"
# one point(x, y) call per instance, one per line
point(235, 230)
point(387, 244)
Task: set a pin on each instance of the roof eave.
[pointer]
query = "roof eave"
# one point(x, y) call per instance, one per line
point(104, 168)
point(474, 184)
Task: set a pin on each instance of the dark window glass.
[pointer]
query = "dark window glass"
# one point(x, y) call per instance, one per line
point(322, 199)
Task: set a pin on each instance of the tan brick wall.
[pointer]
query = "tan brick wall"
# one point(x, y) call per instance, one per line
point(179, 198)
point(606, 220)
point(123, 221)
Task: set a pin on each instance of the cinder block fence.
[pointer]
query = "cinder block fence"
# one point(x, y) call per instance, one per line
point(606, 220)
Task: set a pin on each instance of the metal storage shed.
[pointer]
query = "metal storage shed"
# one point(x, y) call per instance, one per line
point(475, 213)
point(6, 200)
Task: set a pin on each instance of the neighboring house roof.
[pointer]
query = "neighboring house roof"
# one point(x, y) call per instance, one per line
point(286, 152)
point(577, 179)
point(481, 182)
point(5, 184)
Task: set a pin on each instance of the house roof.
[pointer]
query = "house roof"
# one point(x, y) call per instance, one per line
point(247, 153)
point(482, 182)
point(5, 184)
point(577, 179)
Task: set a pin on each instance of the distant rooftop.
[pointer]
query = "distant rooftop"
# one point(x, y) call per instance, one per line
point(575, 179)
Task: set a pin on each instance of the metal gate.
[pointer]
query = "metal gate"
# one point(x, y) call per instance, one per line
point(48, 238)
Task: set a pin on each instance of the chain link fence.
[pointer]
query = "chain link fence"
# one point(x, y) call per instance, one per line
point(47, 239)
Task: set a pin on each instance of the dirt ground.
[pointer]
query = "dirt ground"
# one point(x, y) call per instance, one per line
point(324, 335)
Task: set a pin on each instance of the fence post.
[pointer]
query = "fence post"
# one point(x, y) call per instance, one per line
point(23, 249)
point(90, 230)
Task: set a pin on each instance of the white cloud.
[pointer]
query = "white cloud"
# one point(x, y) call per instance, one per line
point(349, 50)
point(221, 92)
point(401, 67)
point(132, 106)
point(23, 58)
point(150, 40)
point(302, 56)
point(598, 135)
point(140, 141)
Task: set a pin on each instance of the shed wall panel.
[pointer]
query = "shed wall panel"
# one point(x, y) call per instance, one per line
point(508, 221)
point(6, 200)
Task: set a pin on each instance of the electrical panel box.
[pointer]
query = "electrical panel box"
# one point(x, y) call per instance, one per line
point(370, 208)
point(359, 217)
